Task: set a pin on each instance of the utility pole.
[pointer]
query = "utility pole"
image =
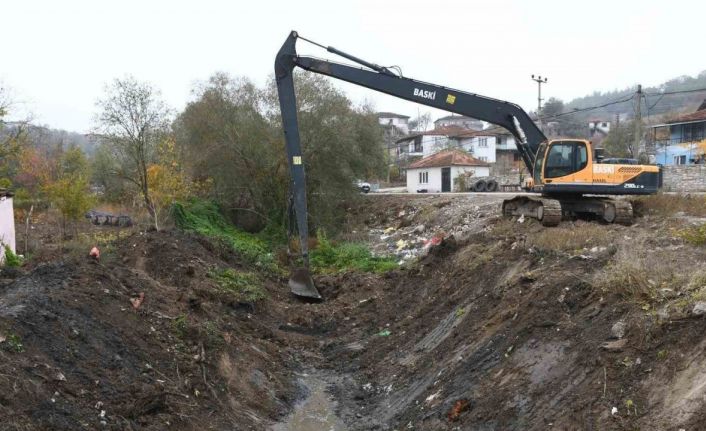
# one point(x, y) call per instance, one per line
point(638, 120)
point(539, 80)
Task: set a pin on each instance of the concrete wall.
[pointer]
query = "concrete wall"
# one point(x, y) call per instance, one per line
point(7, 226)
point(691, 178)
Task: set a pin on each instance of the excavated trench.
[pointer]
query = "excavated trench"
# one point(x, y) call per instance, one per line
point(494, 328)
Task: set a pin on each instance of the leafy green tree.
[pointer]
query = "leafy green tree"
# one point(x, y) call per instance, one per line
point(70, 194)
point(133, 118)
point(224, 136)
point(620, 140)
point(232, 134)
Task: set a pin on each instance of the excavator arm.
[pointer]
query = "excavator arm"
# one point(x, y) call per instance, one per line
point(510, 116)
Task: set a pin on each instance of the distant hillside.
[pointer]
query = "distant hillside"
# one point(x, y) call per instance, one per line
point(46, 137)
point(658, 104)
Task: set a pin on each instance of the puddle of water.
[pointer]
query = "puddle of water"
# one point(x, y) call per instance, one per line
point(315, 413)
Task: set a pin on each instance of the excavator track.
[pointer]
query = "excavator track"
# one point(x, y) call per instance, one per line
point(546, 210)
point(617, 211)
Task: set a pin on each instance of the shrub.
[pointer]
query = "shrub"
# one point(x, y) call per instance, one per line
point(11, 259)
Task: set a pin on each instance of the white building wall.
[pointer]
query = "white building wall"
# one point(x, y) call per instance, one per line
point(7, 226)
point(434, 184)
point(484, 153)
point(400, 123)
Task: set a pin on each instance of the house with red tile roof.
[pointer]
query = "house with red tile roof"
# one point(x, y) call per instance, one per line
point(437, 172)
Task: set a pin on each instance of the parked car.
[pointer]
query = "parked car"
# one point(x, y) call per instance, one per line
point(363, 186)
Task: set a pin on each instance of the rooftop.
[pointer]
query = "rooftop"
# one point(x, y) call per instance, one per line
point(694, 116)
point(447, 158)
point(455, 117)
point(390, 115)
point(439, 131)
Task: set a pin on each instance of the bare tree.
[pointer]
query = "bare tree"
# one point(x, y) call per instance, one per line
point(133, 119)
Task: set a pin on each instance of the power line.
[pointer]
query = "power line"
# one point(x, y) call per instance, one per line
point(577, 110)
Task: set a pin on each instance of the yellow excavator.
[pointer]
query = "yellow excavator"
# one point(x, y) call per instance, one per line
point(568, 176)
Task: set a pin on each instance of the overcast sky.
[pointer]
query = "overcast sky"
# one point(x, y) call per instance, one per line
point(58, 55)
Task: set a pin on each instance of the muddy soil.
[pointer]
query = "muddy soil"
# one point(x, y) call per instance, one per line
point(500, 326)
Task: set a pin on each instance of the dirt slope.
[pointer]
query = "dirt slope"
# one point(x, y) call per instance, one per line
point(189, 356)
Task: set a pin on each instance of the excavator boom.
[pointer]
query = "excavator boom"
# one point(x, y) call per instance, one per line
point(568, 165)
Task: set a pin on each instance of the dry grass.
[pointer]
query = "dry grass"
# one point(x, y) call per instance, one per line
point(652, 277)
point(669, 204)
point(571, 237)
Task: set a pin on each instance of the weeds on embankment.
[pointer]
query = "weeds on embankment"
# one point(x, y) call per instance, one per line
point(327, 256)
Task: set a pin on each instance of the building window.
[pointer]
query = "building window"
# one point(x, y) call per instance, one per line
point(424, 178)
point(604, 125)
point(679, 160)
point(516, 157)
point(483, 158)
point(483, 142)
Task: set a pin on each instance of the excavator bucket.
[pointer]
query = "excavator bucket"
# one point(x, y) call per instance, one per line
point(302, 285)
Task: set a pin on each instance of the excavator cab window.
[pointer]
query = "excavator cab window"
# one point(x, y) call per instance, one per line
point(539, 162)
point(565, 158)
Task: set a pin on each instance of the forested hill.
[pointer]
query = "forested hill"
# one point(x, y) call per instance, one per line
point(657, 102)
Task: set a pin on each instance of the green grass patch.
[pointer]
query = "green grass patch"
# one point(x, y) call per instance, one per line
point(329, 256)
point(11, 259)
point(205, 218)
point(244, 286)
point(694, 235)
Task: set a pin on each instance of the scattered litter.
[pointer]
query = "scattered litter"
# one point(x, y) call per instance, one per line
point(699, 308)
point(431, 397)
point(368, 387)
point(389, 230)
point(459, 407)
point(60, 377)
point(136, 302)
point(618, 329)
point(95, 253)
point(521, 219)
point(613, 411)
point(384, 333)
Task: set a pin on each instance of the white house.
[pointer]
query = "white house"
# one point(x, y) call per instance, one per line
point(423, 144)
point(480, 144)
point(7, 223)
point(396, 122)
point(458, 121)
point(598, 126)
point(437, 173)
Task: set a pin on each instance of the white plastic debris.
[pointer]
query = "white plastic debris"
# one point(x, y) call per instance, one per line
point(613, 411)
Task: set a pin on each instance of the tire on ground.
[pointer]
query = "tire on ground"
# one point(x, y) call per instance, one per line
point(480, 186)
point(492, 186)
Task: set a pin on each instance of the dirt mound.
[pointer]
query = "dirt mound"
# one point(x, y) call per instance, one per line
point(77, 354)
